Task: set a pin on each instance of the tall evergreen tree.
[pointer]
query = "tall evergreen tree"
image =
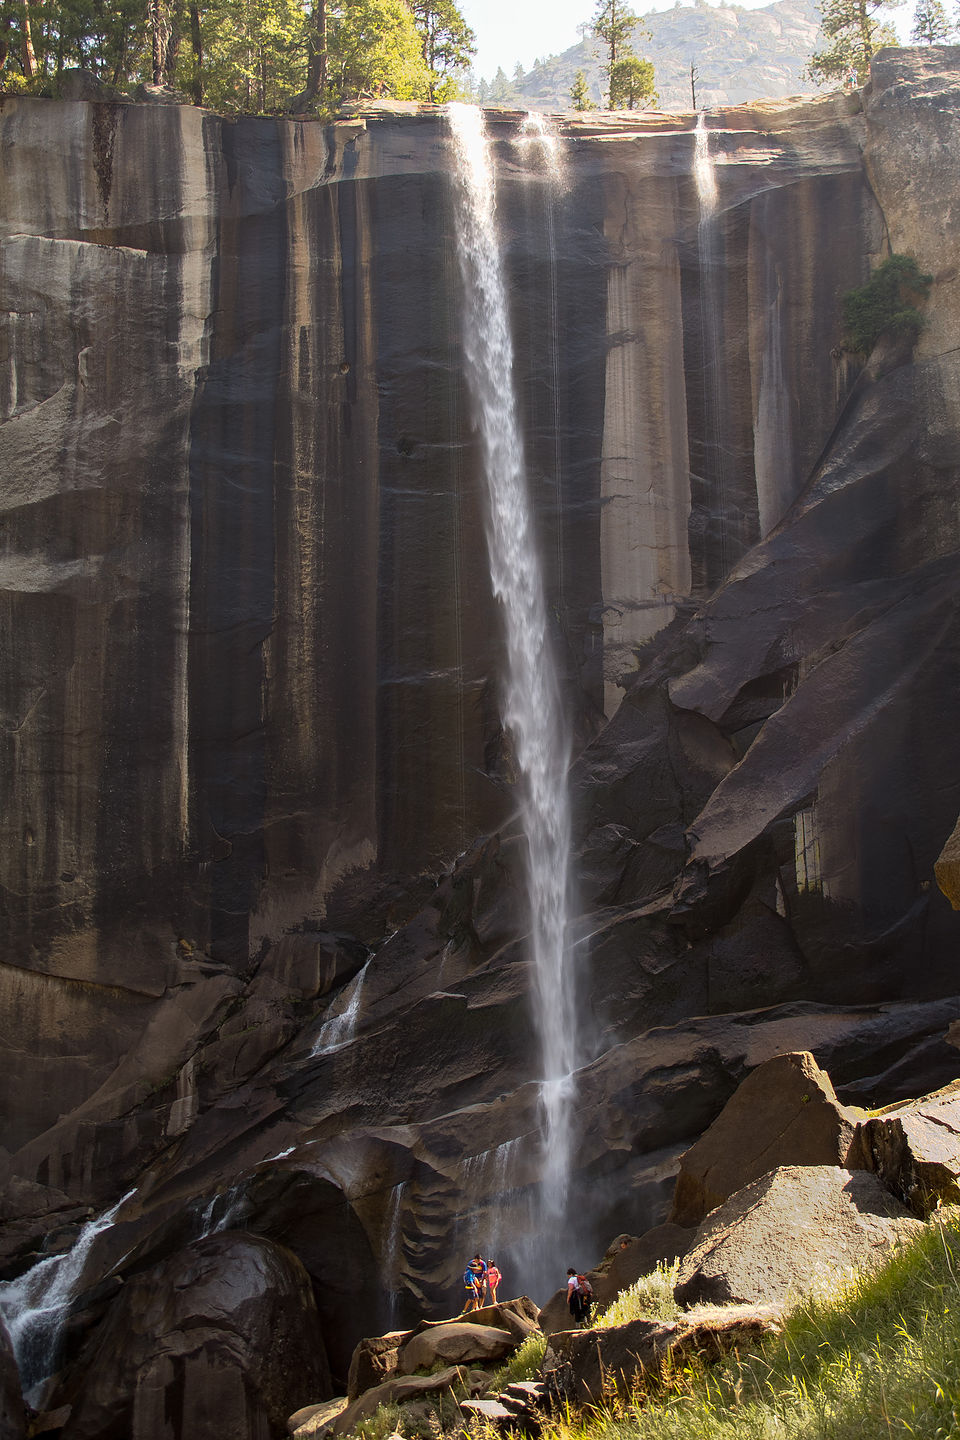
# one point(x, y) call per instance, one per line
point(930, 23)
point(854, 35)
point(448, 43)
point(580, 92)
point(615, 24)
point(632, 83)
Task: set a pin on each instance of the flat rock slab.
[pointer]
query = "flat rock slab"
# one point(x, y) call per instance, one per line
point(457, 1343)
point(776, 1239)
point(582, 1365)
point(786, 1112)
point(313, 1420)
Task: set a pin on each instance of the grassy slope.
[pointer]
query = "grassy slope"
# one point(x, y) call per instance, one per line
point(879, 1357)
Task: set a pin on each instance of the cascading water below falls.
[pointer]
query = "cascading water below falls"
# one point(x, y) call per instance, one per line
point(35, 1307)
point(532, 710)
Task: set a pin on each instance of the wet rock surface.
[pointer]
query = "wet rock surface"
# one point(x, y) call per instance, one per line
point(221, 1338)
point(251, 703)
point(13, 1415)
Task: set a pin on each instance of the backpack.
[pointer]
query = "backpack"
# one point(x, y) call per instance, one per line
point(584, 1286)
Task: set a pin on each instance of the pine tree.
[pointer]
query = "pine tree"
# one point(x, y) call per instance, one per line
point(448, 43)
point(854, 35)
point(615, 24)
point(930, 23)
point(580, 92)
point(501, 92)
point(632, 83)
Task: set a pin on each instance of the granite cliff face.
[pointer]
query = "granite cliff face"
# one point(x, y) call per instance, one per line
point(260, 877)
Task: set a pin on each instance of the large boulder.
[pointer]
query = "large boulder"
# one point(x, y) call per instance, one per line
point(519, 1317)
point(629, 1257)
point(582, 1365)
point(947, 867)
point(220, 1339)
point(457, 1344)
point(786, 1112)
point(392, 1392)
point(915, 1149)
point(786, 1232)
point(373, 1361)
point(12, 1414)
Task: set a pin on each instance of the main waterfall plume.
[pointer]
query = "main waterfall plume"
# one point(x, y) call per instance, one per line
point(532, 710)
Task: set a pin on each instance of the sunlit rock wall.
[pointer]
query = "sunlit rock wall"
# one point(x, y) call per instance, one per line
point(250, 700)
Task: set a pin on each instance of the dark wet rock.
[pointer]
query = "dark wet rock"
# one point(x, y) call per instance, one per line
point(788, 1232)
point(13, 1415)
point(584, 1366)
point(223, 1334)
point(914, 1149)
point(786, 1112)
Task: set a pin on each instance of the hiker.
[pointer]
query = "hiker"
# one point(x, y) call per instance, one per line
point(579, 1297)
point(493, 1280)
point(474, 1278)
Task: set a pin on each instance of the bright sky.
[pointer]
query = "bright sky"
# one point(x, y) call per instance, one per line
point(512, 30)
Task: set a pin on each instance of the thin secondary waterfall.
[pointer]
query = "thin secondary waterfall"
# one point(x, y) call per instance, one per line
point(703, 169)
point(715, 461)
point(532, 710)
point(35, 1307)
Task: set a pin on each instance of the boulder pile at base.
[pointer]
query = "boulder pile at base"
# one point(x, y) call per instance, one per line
point(787, 1191)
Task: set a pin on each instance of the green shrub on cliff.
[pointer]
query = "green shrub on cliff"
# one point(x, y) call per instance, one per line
point(649, 1298)
point(886, 305)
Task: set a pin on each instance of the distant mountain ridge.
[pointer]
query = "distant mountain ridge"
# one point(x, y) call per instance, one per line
point(740, 55)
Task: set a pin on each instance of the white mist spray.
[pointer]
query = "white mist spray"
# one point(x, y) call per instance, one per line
point(532, 710)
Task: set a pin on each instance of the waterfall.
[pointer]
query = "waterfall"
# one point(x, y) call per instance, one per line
point(711, 337)
point(392, 1258)
point(338, 1030)
point(35, 1307)
point(703, 171)
point(536, 136)
point(532, 711)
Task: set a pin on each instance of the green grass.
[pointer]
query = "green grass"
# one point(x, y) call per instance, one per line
point(649, 1298)
point(879, 1357)
point(523, 1364)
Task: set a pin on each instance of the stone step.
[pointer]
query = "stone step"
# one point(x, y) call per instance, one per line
point(493, 1412)
point(531, 1392)
point(513, 1403)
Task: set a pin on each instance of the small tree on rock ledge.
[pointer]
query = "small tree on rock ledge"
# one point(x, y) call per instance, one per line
point(886, 305)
